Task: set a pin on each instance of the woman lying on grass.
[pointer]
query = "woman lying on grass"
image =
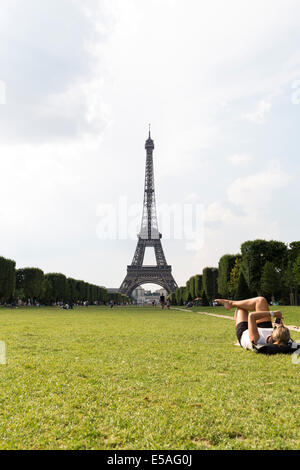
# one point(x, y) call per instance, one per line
point(256, 327)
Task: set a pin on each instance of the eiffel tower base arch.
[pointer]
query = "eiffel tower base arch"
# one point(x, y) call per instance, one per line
point(136, 276)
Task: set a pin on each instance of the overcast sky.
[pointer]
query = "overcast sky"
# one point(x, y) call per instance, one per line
point(218, 80)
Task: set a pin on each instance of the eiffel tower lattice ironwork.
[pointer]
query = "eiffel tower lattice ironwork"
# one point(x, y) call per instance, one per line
point(149, 236)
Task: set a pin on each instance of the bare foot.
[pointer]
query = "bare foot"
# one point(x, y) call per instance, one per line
point(227, 303)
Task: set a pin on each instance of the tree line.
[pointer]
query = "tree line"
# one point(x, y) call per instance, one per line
point(268, 268)
point(32, 285)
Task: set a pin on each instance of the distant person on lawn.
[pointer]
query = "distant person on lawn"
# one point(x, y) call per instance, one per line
point(256, 327)
point(162, 301)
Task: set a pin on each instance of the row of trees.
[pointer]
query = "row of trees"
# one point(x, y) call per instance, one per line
point(32, 284)
point(269, 268)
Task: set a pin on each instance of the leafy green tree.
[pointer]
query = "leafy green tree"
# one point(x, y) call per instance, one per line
point(226, 265)
point(81, 290)
point(198, 285)
point(296, 273)
point(209, 280)
point(7, 279)
point(270, 280)
point(173, 298)
point(242, 291)
point(177, 296)
point(89, 292)
point(187, 292)
point(188, 296)
point(289, 282)
point(192, 287)
point(234, 278)
point(72, 292)
point(103, 295)
point(296, 270)
point(204, 299)
point(289, 288)
point(30, 281)
point(293, 251)
point(59, 286)
point(47, 294)
point(180, 295)
point(255, 254)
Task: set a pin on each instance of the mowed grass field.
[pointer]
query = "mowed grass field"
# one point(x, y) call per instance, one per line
point(140, 378)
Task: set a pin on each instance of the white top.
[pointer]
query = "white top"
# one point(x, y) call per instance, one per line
point(264, 333)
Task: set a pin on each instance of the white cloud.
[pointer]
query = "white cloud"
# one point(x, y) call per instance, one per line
point(239, 159)
point(217, 212)
point(254, 192)
point(246, 213)
point(258, 116)
point(81, 103)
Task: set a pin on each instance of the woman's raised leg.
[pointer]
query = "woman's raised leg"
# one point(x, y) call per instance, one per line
point(240, 315)
point(257, 304)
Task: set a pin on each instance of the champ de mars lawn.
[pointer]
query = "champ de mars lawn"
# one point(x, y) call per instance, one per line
point(140, 378)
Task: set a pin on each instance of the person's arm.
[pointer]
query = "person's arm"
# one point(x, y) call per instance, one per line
point(252, 326)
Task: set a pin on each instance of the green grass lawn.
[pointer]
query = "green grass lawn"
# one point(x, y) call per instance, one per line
point(140, 378)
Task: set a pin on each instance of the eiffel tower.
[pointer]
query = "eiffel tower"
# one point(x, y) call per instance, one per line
point(149, 236)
